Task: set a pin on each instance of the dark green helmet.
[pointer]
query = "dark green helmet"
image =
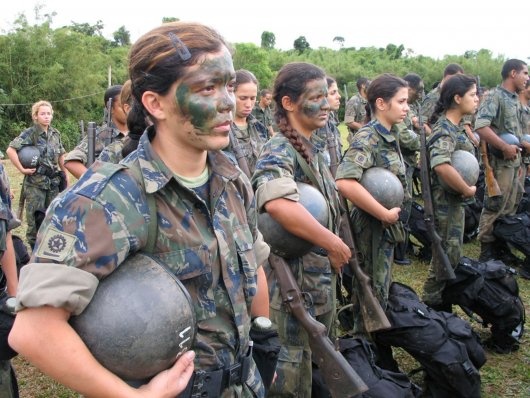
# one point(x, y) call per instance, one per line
point(384, 186)
point(29, 156)
point(284, 243)
point(140, 318)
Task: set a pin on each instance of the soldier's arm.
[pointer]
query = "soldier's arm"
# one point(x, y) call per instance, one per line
point(75, 167)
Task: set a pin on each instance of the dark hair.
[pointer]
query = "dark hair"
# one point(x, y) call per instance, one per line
point(112, 92)
point(158, 59)
point(413, 80)
point(456, 85)
point(512, 64)
point(362, 81)
point(244, 76)
point(453, 69)
point(384, 86)
point(264, 92)
point(330, 80)
point(291, 82)
point(126, 93)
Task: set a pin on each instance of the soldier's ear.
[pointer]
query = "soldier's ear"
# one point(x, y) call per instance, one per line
point(153, 105)
point(287, 104)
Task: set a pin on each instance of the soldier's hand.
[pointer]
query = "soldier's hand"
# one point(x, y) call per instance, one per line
point(470, 192)
point(391, 216)
point(171, 382)
point(28, 172)
point(339, 254)
point(510, 151)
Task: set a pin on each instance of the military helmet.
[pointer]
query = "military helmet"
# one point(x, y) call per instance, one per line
point(282, 242)
point(29, 156)
point(384, 186)
point(467, 166)
point(509, 138)
point(140, 318)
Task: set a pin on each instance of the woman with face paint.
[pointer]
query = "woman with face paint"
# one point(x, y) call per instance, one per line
point(376, 228)
point(293, 155)
point(205, 233)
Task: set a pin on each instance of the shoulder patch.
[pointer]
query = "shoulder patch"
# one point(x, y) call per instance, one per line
point(445, 145)
point(55, 244)
point(361, 159)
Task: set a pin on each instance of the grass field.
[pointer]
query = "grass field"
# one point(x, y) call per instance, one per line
point(503, 376)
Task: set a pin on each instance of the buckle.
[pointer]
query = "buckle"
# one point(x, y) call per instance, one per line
point(233, 374)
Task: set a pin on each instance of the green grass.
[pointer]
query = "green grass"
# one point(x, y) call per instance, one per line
point(503, 376)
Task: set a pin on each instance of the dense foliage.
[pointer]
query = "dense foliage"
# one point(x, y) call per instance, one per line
point(72, 65)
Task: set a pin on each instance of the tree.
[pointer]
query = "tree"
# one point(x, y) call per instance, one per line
point(255, 59)
point(122, 37)
point(87, 29)
point(301, 44)
point(340, 40)
point(268, 40)
point(169, 19)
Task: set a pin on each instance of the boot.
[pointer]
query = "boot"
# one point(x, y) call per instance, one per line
point(503, 252)
point(486, 251)
point(400, 254)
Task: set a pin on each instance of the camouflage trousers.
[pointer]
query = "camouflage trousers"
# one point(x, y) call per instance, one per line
point(509, 183)
point(36, 199)
point(8, 381)
point(294, 369)
point(375, 246)
point(449, 216)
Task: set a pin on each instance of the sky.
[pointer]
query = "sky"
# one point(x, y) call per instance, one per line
point(432, 28)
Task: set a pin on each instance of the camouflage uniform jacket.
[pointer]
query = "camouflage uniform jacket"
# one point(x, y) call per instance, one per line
point(104, 136)
point(213, 248)
point(373, 146)
point(355, 109)
point(500, 111)
point(251, 140)
point(263, 115)
point(331, 132)
point(444, 140)
point(5, 195)
point(50, 147)
point(277, 172)
point(429, 103)
point(112, 152)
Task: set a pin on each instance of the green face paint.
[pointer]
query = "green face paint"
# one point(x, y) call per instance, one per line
point(206, 94)
point(314, 98)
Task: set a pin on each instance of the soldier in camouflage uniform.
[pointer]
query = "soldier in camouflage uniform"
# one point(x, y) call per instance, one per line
point(355, 111)
point(300, 92)
point(498, 113)
point(112, 153)
point(250, 133)
point(376, 228)
point(41, 184)
point(182, 77)
point(262, 110)
point(458, 97)
point(76, 160)
point(330, 132)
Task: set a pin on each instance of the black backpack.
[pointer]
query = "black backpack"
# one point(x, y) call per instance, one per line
point(445, 345)
point(382, 383)
point(515, 230)
point(421, 247)
point(489, 290)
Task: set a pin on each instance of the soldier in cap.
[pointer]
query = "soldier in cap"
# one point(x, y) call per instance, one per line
point(202, 207)
point(458, 97)
point(377, 229)
point(41, 183)
point(295, 155)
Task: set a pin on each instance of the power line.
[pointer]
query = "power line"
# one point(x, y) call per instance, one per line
point(61, 100)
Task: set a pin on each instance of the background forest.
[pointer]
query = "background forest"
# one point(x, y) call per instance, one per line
point(71, 67)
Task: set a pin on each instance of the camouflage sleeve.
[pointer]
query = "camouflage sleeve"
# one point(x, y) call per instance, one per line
point(427, 107)
point(349, 111)
point(275, 169)
point(80, 152)
point(25, 138)
point(357, 158)
point(487, 111)
point(467, 119)
point(440, 151)
point(408, 139)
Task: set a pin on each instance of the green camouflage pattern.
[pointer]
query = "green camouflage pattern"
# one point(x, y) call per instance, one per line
point(449, 214)
point(264, 116)
point(373, 146)
point(331, 130)
point(112, 152)
point(105, 135)
point(40, 189)
point(208, 245)
point(355, 111)
point(312, 271)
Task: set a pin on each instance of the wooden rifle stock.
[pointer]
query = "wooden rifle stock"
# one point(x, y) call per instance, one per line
point(374, 317)
point(21, 201)
point(491, 183)
point(341, 379)
point(441, 264)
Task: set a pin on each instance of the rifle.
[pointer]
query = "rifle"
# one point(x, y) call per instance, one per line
point(374, 317)
point(441, 264)
point(21, 202)
point(108, 138)
point(491, 183)
point(340, 377)
point(338, 374)
point(91, 140)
